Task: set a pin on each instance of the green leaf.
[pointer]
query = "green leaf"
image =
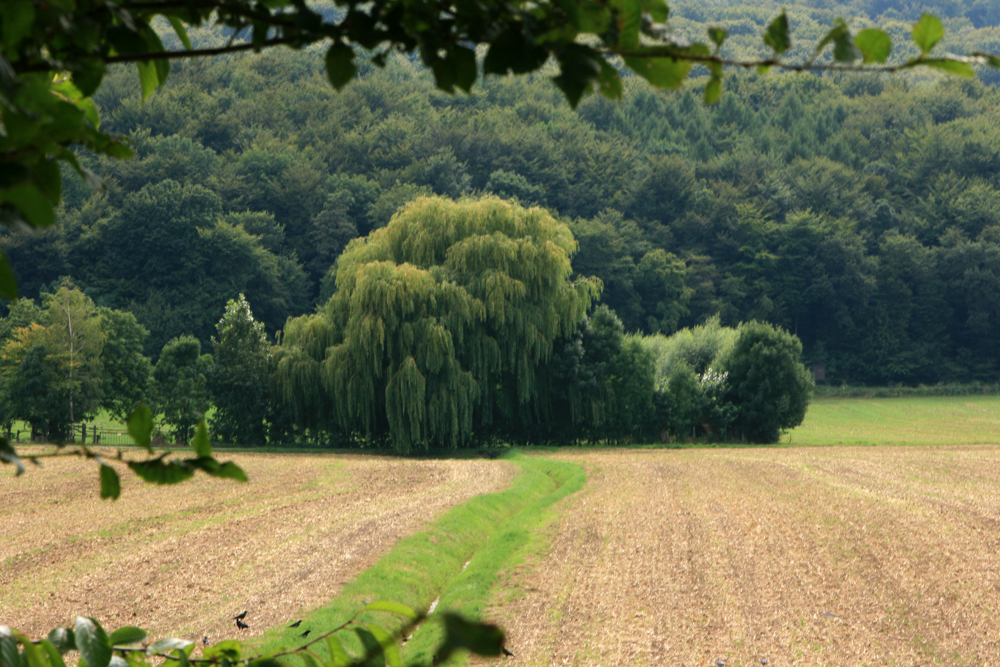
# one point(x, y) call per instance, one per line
point(927, 32)
point(111, 487)
point(609, 83)
point(48, 179)
point(340, 67)
point(392, 608)
point(580, 66)
point(388, 644)
point(200, 443)
point(140, 426)
point(874, 45)
point(465, 67)
point(90, 111)
point(338, 656)
point(957, 67)
point(148, 78)
point(230, 650)
point(55, 657)
point(128, 634)
point(169, 644)
point(181, 31)
point(34, 656)
point(265, 662)
point(718, 36)
point(159, 471)
point(479, 638)
point(840, 36)
point(372, 647)
point(35, 208)
point(154, 45)
point(9, 655)
point(658, 10)
point(629, 17)
point(593, 17)
point(777, 35)
point(16, 17)
point(230, 470)
point(7, 452)
point(661, 72)
point(64, 639)
point(513, 52)
point(87, 75)
point(713, 90)
point(92, 642)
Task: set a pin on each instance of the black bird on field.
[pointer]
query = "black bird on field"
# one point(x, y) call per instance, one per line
point(240, 617)
point(204, 640)
point(305, 634)
point(506, 652)
point(295, 624)
point(241, 625)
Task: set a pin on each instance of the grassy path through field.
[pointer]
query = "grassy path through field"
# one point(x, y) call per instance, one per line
point(456, 560)
point(803, 556)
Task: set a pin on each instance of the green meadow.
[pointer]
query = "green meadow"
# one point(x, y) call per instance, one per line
point(948, 420)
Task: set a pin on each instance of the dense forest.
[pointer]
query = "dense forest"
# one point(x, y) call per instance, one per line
point(861, 213)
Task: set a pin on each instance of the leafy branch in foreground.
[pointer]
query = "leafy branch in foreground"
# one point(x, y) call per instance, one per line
point(97, 648)
point(154, 468)
point(54, 55)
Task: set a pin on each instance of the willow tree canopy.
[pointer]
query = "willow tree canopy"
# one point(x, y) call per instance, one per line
point(437, 326)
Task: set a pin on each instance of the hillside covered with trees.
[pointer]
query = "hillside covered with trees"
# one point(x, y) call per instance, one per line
point(860, 213)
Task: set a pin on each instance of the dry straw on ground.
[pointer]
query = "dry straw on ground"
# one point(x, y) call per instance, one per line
point(183, 560)
point(814, 556)
point(832, 556)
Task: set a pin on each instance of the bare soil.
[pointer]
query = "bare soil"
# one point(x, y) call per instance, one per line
point(813, 556)
point(183, 560)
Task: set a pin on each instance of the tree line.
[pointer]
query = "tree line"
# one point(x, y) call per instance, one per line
point(459, 324)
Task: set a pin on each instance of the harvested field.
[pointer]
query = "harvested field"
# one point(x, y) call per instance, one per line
point(184, 559)
point(803, 556)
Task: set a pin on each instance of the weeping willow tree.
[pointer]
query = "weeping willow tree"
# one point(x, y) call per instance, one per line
point(438, 326)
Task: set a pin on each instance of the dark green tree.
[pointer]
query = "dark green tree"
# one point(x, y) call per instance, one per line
point(240, 382)
point(126, 370)
point(766, 381)
point(180, 386)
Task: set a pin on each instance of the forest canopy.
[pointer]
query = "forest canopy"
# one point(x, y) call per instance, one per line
point(858, 212)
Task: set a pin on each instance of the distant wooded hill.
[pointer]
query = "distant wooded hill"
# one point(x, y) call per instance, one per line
point(862, 213)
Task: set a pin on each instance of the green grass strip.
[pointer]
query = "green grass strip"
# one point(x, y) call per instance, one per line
point(471, 591)
point(487, 530)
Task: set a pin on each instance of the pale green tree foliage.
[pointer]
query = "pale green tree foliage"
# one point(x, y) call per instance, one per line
point(180, 385)
point(240, 378)
point(75, 335)
point(438, 325)
point(50, 363)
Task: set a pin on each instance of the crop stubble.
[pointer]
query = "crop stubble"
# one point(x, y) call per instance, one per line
point(811, 556)
point(182, 560)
